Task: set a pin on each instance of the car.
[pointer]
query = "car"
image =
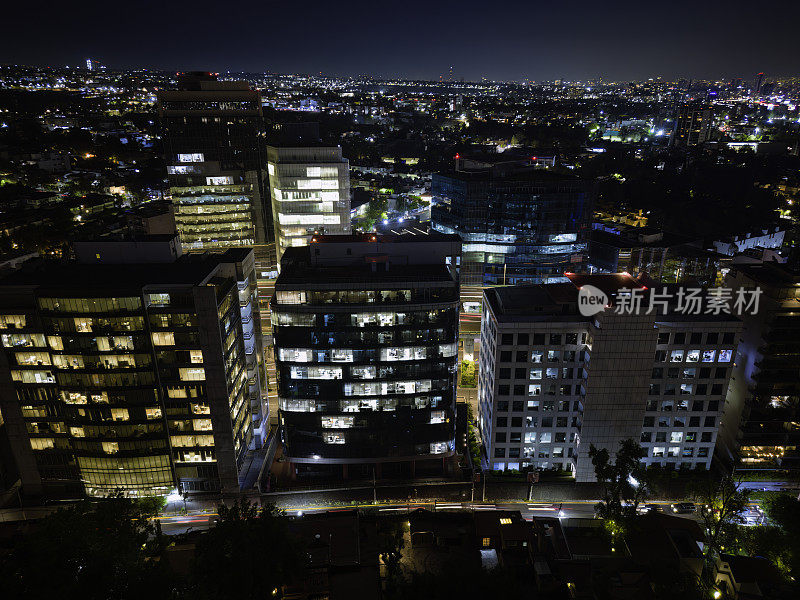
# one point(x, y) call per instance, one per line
point(683, 508)
point(646, 508)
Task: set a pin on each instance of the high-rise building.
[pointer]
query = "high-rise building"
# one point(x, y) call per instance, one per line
point(366, 345)
point(310, 189)
point(519, 223)
point(138, 379)
point(758, 81)
point(692, 125)
point(552, 382)
point(214, 147)
point(768, 392)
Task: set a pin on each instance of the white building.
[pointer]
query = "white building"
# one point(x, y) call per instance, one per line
point(552, 381)
point(310, 191)
point(771, 238)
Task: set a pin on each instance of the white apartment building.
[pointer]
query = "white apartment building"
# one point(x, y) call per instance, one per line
point(310, 191)
point(552, 381)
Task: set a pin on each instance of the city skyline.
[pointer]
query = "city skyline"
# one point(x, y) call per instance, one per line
point(576, 42)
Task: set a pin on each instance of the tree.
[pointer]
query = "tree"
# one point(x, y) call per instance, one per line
point(91, 550)
point(624, 485)
point(392, 542)
point(248, 551)
point(722, 504)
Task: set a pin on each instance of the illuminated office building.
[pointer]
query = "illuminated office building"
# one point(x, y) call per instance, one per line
point(138, 378)
point(520, 223)
point(692, 125)
point(214, 147)
point(554, 382)
point(310, 191)
point(366, 346)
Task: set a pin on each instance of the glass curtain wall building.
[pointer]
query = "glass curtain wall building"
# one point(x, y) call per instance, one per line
point(519, 223)
point(213, 134)
point(137, 380)
point(310, 191)
point(366, 344)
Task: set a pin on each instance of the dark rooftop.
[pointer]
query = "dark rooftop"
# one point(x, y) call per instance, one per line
point(58, 275)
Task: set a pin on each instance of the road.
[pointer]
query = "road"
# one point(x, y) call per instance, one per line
point(173, 525)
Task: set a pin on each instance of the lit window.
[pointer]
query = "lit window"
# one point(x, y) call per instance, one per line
point(487, 542)
point(676, 356)
point(192, 374)
point(163, 338)
point(504, 521)
point(196, 356)
point(337, 422)
point(333, 438)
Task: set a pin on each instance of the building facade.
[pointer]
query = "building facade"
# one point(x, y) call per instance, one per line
point(519, 224)
point(552, 381)
point(693, 123)
point(769, 394)
point(214, 148)
point(310, 190)
point(366, 345)
point(139, 379)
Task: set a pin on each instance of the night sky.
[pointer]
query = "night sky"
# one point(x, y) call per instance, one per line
point(500, 39)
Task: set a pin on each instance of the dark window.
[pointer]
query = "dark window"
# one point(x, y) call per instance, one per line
point(507, 339)
point(696, 338)
point(661, 436)
point(538, 339)
point(663, 338)
point(522, 339)
point(705, 372)
point(520, 373)
point(658, 373)
point(513, 453)
point(571, 338)
point(720, 373)
point(713, 405)
point(716, 389)
point(649, 422)
point(516, 437)
point(555, 339)
point(694, 421)
point(505, 356)
point(705, 436)
point(680, 338)
point(519, 390)
point(499, 452)
point(547, 421)
point(697, 406)
point(516, 421)
point(522, 356)
point(727, 338)
point(710, 422)
point(646, 435)
point(500, 437)
point(505, 374)
point(712, 338)
point(655, 389)
point(561, 422)
point(502, 421)
point(502, 406)
point(518, 406)
point(701, 389)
